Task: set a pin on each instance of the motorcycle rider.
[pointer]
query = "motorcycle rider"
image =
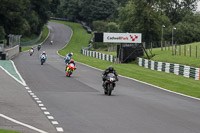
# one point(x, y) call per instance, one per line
point(68, 58)
point(110, 69)
point(71, 62)
point(31, 51)
point(51, 42)
point(38, 47)
point(44, 53)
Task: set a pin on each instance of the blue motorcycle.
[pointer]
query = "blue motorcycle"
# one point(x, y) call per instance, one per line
point(42, 59)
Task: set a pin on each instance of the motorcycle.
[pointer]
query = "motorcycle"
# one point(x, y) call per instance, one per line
point(42, 59)
point(109, 84)
point(51, 42)
point(69, 69)
point(38, 47)
point(31, 52)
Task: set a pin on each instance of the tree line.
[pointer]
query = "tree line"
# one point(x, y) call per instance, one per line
point(27, 17)
point(24, 17)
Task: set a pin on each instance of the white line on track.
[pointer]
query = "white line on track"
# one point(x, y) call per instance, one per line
point(27, 88)
point(23, 124)
point(36, 98)
point(32, 94)
point(54, 122)
point(23, 82)
point(39, 101)
point(43, 108)
point(46, 113)
point(50, 117)
point(41, 105)
point(59, 129)
point(11, 75)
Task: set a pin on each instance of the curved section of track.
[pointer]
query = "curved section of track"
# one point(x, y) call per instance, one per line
point(79, 105)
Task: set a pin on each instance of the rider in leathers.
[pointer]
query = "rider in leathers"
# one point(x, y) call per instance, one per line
point(68, 58)
point(106, 72)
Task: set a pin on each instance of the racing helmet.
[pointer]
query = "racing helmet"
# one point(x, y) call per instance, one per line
point(72, 60)
point(111, 68)
point(71, 53)
point(43, 52)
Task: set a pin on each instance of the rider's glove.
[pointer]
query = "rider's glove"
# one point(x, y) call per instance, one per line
point(117, 79)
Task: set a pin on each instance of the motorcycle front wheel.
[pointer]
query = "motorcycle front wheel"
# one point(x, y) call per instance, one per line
point(42, 61)
point(109, 88)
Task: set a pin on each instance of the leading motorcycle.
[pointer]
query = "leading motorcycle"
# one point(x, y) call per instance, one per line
point(109, 84)
point(42, 59)
point(70, 69)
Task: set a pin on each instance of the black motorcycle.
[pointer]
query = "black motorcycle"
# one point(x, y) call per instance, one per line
point(109, 84)
point(39, 47)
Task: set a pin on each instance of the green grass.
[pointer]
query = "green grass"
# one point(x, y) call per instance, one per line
point(26, 39)
point(45, 33)
point(7, 131)
point(168, 81)
point(166, 56)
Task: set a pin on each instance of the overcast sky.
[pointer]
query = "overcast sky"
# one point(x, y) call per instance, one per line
point(198, 7)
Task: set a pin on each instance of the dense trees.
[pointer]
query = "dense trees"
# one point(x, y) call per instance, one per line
point(93, 10)
point(24, 17)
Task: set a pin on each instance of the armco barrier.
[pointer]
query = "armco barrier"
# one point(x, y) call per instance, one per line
point(11, 52)
point(32, 41)
point(186, 71)
point(98, 55)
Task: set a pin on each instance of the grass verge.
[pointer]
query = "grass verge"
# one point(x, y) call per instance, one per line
point(7, 131)
point(168, 81)
point(45, 33)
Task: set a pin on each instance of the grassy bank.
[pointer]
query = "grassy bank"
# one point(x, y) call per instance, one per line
point(166, 55)
point(45, 33)
point(165, 80)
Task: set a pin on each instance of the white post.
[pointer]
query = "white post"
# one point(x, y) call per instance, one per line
point(186, 71)
point(145, 63)
point(159, 66)
point(103, 56)
point(167, 67)
point(176, 69)
point(152, 65)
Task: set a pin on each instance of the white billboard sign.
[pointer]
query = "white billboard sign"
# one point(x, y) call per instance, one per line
point(122, 37)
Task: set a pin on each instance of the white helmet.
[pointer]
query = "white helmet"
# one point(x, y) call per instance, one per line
point(43, 52)
point(71, 53)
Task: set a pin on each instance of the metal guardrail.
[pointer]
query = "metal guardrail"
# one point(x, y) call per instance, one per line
point(32, 41)
point(1, 47)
